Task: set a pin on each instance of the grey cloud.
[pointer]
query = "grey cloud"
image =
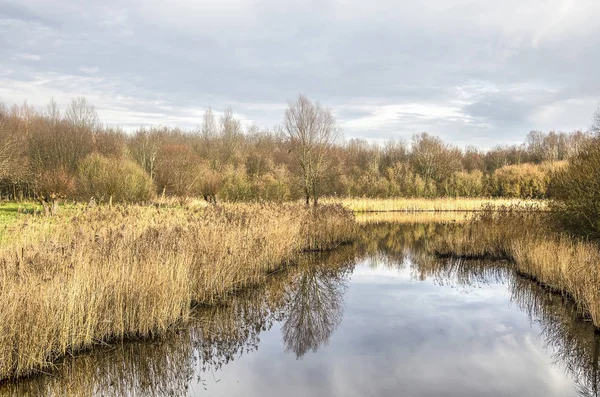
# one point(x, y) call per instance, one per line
point(500, 109)
point(351, 113)
point(14, 11)
point(248, 54)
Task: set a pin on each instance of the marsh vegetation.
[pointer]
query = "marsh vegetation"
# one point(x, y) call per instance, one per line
point(559, 249)
point(446, 204)
point(347, 309)
point(567, 265)
point(94, 275)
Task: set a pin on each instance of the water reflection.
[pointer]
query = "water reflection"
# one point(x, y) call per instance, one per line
point(307, 298)
point(305, 305)
point(576, 343)
point(152, 368)
point(314, 307)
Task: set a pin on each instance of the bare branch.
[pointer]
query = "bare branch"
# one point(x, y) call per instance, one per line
point(312, 131)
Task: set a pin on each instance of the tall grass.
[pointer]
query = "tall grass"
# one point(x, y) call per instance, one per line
point(436, 204)
point(557, 261)
point(89, 276)
point(214, 336)
point(415, 217)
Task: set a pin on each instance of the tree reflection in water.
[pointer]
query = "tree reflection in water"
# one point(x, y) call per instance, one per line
point(214, 337)
point(307, 300)
point(314, 306)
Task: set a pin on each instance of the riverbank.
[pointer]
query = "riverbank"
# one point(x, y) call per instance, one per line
point(444, 204)
point(564, 264)
point(93, 275)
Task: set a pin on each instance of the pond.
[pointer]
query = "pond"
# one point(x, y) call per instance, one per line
point(378, 318)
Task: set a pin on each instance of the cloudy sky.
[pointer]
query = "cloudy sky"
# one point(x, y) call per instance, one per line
point(470, 71)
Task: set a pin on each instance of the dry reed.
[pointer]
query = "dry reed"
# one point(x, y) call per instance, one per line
point(557, 261)
point(214, 336)
point(89, 276)
point(436, 204)
point(412, 217)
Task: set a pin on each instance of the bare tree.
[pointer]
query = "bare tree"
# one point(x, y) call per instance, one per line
point(209, 126)
point(51, 186)
point(7, 151)
point(534, 143)
point(53, 112)
point(433, 159)
point(82, 114)
point(230, 139)
point(178, 171)
point(312, 131)
point(144, 147)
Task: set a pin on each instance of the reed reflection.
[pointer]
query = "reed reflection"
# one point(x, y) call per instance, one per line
point(215, 336)
point(307, 301)
point(573, 339)
point(576, 342)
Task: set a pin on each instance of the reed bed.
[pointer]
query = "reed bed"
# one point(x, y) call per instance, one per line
point(560, 262)
point(412, 217)
point(214, 336)
point(94, 275)
point(434, 204)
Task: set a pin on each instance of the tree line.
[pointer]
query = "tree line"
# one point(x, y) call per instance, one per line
point(52, 154)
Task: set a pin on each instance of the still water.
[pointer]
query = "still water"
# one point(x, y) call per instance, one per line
point(378, 318)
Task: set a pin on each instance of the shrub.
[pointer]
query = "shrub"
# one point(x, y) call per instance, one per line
point(520, 181)
point(119, 180)
point(236, 187)
point(466, 184)
point(178, 171)
point(51, 186)
point(575, 191)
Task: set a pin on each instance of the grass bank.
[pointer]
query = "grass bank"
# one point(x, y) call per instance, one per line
point(433, 205)
point(557, 261)
point(88, 276)
point(11, 211)
point(415, 217)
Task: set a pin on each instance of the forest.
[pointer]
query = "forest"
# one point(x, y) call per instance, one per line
point(52, 154)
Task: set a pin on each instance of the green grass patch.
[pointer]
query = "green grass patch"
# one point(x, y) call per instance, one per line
point(11, 211)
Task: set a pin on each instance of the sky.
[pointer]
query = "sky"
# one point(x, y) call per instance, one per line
point(473, 72)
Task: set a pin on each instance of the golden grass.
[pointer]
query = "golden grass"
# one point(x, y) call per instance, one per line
point(214, 336)
point(436, 204)
point(412, 217)
point(554, 260)
point(88, 276)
